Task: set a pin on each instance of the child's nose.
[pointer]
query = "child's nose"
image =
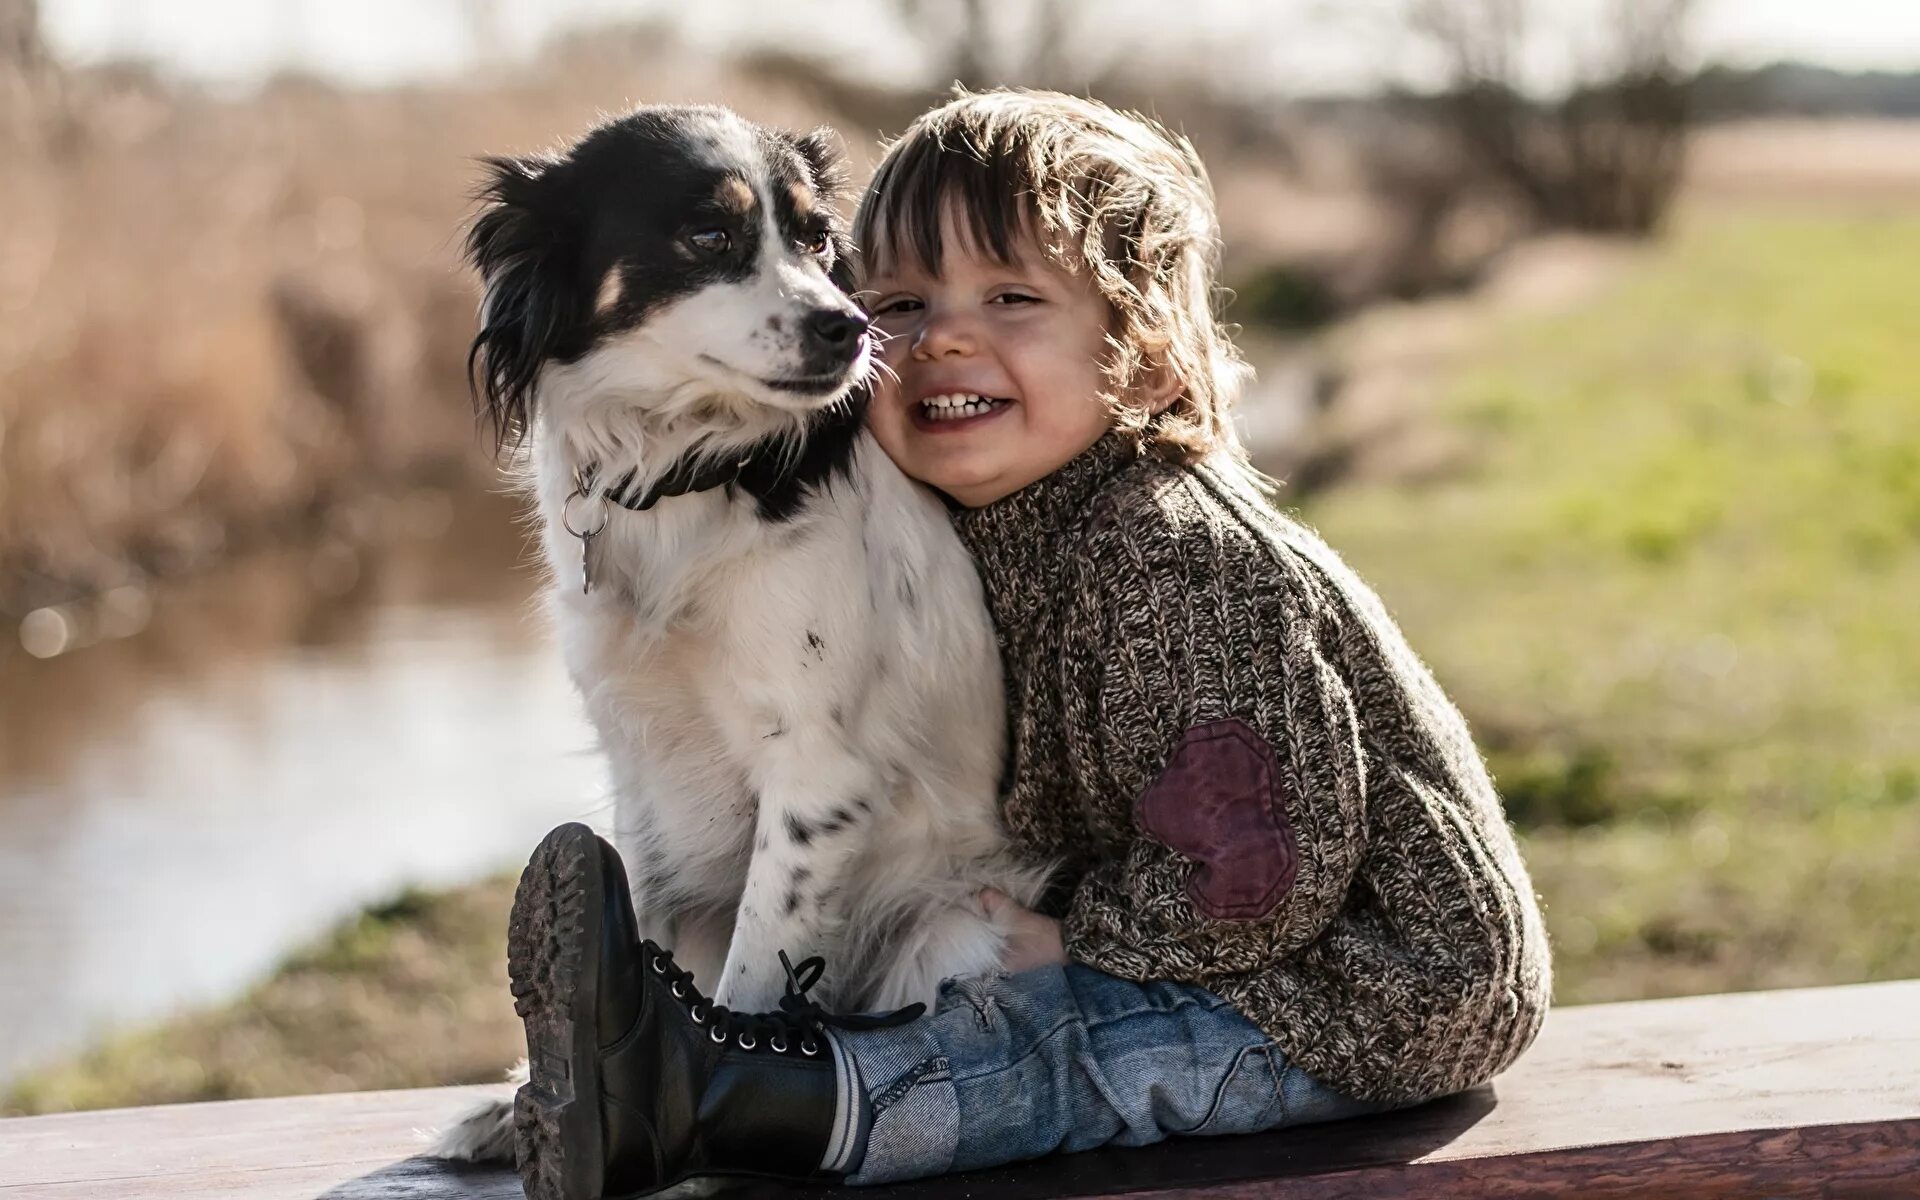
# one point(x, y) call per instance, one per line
point(942, 335)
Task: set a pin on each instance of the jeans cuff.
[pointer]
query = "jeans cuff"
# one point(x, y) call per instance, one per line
point(910, 1108)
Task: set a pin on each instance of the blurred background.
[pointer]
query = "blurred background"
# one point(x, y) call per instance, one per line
point(1587, 330)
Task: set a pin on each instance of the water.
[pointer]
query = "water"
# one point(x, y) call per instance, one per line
point(281, 743)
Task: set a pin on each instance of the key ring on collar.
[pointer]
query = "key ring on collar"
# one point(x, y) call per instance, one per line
point(596, 507)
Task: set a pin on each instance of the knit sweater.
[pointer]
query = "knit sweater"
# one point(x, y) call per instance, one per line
point(1252, 782)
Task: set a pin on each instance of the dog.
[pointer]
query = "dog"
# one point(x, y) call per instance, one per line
point(780, 640)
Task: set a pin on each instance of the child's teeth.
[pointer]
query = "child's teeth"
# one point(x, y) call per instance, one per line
point(956, 405)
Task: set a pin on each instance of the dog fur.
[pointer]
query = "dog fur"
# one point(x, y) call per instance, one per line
point(792, 675)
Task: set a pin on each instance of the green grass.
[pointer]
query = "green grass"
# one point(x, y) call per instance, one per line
point(409, 994)
point(1678, 593)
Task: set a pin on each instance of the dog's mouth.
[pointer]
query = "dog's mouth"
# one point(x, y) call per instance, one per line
point(801, 387)
point(810, 385)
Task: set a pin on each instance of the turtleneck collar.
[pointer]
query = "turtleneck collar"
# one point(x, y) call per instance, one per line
point(1015, 540)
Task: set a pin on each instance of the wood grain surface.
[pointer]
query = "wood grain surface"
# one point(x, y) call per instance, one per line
point(1796, 1093)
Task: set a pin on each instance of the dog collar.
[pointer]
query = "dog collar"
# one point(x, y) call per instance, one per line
point(690, 474)
point(585, 513)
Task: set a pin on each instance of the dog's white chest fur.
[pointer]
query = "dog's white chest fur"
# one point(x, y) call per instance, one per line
point(804, 726)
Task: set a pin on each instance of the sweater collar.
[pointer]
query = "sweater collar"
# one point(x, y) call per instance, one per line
point(1015, 540)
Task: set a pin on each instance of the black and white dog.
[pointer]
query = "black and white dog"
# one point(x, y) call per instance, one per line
point(779, 638)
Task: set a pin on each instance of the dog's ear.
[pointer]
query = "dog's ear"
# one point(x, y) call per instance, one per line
point(522, 246)
point(820, 149)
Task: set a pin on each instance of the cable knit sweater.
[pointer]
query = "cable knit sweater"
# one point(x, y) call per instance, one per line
point(1254, 783)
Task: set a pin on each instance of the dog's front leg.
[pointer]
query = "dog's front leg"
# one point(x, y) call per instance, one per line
point(814, 808)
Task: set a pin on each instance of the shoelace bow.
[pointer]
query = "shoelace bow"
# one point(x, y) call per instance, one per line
point(800, 1022)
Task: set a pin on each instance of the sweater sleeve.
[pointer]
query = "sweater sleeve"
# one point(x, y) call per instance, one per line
point(1215, 750)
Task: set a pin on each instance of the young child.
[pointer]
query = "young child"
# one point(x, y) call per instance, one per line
point(1290, 893)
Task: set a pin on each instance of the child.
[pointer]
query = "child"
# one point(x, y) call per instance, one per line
point(1290, 893)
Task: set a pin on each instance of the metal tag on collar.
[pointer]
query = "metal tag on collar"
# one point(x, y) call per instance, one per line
point(584, 514)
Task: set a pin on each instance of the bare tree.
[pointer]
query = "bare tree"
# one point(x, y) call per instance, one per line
point(986, 43)
point(27, 76)
point(20, 43)
point(486, 28)
point(1607, 155)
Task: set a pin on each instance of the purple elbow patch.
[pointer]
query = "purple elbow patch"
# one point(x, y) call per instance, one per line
point(1218, 802)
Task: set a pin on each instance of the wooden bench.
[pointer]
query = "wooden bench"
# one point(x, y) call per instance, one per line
point(1795, 1093)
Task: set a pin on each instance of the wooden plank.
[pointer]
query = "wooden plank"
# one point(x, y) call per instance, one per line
point(298, 1146)
point(1812, 1092)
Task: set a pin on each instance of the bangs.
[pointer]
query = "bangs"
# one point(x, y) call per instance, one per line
point(987, 196)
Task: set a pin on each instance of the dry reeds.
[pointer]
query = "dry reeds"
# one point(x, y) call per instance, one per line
point(219, 316)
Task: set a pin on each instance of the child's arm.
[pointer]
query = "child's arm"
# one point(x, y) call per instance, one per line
point(1218, 752)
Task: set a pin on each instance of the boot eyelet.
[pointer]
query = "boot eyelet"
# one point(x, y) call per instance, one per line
point(718, 1035)
point(678, 991)
point(699, 1018)
point(747, 1043)
point(809, 1048)
point(659, 964)
point(778, 1046)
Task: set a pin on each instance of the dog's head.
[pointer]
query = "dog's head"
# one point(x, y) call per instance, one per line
point(672, 257)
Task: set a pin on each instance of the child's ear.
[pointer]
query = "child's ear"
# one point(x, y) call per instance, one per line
point(1159, 386)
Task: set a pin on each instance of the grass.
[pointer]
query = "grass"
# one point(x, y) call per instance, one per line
point(1675, 593)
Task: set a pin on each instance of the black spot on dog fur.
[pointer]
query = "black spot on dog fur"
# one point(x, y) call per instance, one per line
point(798, 831)
point(816, 646)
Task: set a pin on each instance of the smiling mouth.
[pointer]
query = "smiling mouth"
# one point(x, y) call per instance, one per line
point(958, 406)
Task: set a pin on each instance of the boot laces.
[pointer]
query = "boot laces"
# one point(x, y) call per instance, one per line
point(799, 1025)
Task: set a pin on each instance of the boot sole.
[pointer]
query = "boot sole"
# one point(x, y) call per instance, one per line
point(553, 940)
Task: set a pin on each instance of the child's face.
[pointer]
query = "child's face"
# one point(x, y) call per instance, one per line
point(1030, 338)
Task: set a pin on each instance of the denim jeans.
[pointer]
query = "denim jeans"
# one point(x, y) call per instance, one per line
point(1061, 1059)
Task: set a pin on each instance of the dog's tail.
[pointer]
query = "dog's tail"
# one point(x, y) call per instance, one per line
point(484, 1134)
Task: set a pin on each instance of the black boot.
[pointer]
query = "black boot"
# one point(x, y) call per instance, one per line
point(637, 1081)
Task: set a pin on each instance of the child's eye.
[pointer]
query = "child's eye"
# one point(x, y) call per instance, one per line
point(1012, 298)
point(898, 304)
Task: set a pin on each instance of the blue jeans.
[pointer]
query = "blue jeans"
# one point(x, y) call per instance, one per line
point(1059, 1059)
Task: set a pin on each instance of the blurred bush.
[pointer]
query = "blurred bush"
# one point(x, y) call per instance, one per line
point(1284, 296)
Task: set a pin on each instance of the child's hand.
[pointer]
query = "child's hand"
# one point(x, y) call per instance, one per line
point(1032, 940)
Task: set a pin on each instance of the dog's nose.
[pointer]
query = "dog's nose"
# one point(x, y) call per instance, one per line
point(835, 328)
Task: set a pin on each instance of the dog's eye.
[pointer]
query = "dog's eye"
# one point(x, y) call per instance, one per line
point(817, 243)
point(711, 241)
